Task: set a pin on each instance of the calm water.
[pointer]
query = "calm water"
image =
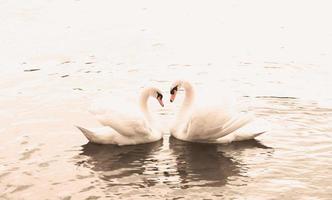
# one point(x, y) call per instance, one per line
point(43, 156)
point(55, 65)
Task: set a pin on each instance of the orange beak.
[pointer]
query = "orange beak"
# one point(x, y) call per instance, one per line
point(172, 97)
point(161, 102)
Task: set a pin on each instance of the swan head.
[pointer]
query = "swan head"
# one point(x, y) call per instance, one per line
point(155, 92)
point(174, 89)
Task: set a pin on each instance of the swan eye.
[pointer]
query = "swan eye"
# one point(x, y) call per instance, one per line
point(174, 90)
point(159, 96)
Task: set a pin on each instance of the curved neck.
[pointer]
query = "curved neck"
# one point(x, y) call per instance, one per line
point(144, 105)
point(189, 96)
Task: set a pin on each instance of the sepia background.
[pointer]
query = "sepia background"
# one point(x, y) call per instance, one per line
point(272, 57)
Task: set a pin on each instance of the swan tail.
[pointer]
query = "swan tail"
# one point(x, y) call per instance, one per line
point(252, 136)
point(87, 133)
point(238, 136)
point(251, 131)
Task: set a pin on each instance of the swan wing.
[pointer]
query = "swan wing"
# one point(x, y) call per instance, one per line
point(246, 132)
point(205, 123)
point(125, 125)
point(213, 123)
point(107, 135)
point(125, 120)
point(235, 123)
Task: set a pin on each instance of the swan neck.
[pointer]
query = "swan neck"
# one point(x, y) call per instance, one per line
point(189, 95)
point(144, 105)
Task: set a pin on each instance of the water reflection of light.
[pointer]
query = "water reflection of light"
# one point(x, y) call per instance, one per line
point(171, 162)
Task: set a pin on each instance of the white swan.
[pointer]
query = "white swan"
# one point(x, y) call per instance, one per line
point(210, 124)
point(124, 128)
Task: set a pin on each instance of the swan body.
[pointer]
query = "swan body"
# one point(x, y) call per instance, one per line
point(211, 124)
point(125, 128)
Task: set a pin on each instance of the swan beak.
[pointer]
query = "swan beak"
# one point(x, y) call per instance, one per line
point(172, 97)
point(161, 102)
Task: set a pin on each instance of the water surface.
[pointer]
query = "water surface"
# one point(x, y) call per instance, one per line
point(55, 65)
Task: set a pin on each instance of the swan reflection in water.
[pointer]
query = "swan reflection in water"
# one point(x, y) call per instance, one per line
point(182, 165)
point(116, 162)
point(206, 165)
